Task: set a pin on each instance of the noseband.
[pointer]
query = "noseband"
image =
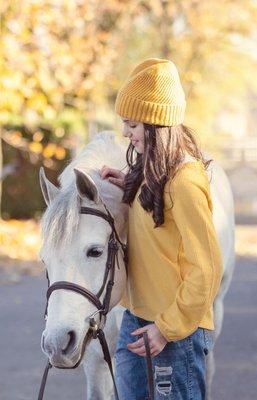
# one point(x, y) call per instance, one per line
point(94, 331)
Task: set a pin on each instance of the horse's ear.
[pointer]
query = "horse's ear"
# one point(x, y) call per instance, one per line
point(49, 190)
point(86, 186)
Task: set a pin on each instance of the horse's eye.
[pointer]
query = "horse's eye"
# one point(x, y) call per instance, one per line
point(94, 252)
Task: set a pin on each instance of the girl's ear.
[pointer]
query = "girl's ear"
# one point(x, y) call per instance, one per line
point(86, 186)
point(49, 190)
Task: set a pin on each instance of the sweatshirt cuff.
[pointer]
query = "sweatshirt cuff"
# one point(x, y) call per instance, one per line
point(162, 329)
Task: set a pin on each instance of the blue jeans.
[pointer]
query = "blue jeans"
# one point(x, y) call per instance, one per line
point(179, 369)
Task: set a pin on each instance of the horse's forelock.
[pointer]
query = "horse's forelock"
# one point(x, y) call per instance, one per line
point(61, 219)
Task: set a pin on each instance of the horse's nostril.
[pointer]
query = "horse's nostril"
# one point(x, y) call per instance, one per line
point(71, 342)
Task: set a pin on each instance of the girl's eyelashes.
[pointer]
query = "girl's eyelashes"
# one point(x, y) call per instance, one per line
point(129, 124)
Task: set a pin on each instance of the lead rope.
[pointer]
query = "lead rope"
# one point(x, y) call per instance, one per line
point(107, 358)
point(43, 382)
point(149, 367)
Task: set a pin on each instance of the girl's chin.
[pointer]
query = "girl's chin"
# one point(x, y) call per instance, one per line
point(138, 148)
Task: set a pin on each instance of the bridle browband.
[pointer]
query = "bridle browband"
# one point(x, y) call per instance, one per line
point(96, 330)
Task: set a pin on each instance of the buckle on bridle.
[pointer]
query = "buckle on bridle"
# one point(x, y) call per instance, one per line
point(113, 245)
point(94, 327)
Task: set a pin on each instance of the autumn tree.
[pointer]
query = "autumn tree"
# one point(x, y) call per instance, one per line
point(62, 63)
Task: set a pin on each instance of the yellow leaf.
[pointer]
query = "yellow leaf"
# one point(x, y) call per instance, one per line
point(49, 150)
point(60, 153)
point(36, 147)
point(38, 136)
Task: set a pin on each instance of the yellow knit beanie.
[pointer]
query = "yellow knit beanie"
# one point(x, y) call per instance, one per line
point(152, 94)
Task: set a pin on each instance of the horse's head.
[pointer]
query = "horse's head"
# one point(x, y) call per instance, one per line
point(75, 249)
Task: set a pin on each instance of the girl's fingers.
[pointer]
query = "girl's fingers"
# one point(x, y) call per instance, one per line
point(114, 176)
point(116, 181)
point(105, 171)
point(155, 353)
point(141, 351)
point(138, 343)
point(102, 169)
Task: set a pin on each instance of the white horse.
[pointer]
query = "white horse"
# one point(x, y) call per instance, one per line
point(75, 249)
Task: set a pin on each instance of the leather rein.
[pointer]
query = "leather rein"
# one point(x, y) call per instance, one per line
point(95, 330)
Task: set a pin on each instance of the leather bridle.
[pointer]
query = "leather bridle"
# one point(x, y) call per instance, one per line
point(96, 330)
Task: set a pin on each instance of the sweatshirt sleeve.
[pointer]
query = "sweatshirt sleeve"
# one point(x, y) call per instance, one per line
point(200, 260)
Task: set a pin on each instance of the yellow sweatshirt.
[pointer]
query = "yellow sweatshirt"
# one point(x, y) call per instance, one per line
point(175, 270)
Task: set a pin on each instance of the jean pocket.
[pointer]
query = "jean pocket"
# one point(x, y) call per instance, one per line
point(208, 336)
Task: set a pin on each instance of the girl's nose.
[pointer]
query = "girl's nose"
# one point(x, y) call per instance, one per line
point(126, 132)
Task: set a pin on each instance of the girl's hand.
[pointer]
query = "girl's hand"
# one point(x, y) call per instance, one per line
point(156, 341)
point(114, 176)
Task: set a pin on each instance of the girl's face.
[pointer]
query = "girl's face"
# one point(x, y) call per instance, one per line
point(135, 132)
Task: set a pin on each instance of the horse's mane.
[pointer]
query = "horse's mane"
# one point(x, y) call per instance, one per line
point(61, 218)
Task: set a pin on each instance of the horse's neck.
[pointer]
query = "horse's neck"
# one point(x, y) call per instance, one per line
point(104, 149)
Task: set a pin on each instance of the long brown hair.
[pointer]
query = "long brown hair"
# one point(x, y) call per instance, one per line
point(164, 151)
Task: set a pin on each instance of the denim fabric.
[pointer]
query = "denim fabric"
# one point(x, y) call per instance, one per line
point(179, 369)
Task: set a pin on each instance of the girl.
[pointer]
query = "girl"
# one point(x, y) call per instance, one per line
point(175, 265)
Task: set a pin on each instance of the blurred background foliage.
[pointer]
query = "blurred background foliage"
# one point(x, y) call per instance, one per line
point(63, 61)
